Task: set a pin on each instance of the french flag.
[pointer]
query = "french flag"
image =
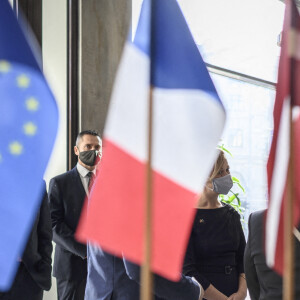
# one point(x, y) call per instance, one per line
point(188, 120)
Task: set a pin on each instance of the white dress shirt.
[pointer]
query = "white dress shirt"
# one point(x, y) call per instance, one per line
point(83, 172)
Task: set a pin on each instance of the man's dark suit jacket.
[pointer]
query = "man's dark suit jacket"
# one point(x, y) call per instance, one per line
point(183, 289)
point(262, 282)
point(66, 198)
point(107, 278)
point(37, 255)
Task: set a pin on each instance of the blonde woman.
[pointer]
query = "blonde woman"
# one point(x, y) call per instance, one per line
point(216, 247)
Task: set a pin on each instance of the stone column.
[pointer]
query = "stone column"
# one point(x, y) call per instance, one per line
point(104, 26)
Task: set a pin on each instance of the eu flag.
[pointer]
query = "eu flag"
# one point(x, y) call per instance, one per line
point(28, 126)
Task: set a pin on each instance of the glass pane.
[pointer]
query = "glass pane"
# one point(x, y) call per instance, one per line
point(248, 135)
point(237, 35)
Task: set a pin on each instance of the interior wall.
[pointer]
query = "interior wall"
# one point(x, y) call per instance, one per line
point(55, 68)
point(104, 28)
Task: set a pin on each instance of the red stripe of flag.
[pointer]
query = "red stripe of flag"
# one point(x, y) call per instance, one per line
point(117, 222)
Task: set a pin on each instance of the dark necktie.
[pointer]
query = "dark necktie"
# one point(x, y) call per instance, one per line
point(91, 177)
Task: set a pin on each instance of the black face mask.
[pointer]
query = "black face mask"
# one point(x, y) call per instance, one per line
point(89, 157)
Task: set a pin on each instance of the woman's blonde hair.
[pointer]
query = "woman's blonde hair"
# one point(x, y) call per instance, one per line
point(218, 164)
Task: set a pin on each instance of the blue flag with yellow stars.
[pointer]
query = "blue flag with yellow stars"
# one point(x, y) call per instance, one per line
point(28, 126)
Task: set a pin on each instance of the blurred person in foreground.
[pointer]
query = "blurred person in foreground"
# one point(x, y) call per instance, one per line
point(113, 278)
point(263, 283)
point(164, 289)
point(34, 271)
point(216, 248)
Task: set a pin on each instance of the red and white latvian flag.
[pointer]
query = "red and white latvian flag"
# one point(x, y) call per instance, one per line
point(287, 97)
point(188, 120)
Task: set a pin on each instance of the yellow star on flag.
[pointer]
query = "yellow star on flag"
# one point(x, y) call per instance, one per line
point(5, 66)
point(30, 128)
point(23, 81)
point(15, 148)
point(32, 104)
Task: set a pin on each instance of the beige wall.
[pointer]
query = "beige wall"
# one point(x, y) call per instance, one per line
point(104, 28)
point(55, 67)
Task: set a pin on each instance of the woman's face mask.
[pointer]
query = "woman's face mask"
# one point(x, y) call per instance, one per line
point(222, 185)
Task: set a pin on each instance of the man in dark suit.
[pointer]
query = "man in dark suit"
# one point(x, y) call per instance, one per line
point(262, 282)
point(34, 272)
point(107, 278)
point(114, 278)
point(66, 196)
point(164, 289)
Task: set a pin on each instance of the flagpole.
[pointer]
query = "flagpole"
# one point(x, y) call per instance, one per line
point(289, 253)
point(146, 275)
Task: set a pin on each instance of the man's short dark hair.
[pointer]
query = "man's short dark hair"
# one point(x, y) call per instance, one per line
point(85, 132)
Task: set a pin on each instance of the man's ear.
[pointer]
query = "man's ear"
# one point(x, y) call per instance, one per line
point(76, 150)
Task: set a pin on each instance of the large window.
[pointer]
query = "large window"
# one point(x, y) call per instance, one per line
point(237, 35)
point(240, 38)
point(238, 41)
point(247, 135)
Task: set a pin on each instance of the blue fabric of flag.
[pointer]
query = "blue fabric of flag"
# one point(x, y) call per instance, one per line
point(28, 126)
point(175, 59)
point(142, 36)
